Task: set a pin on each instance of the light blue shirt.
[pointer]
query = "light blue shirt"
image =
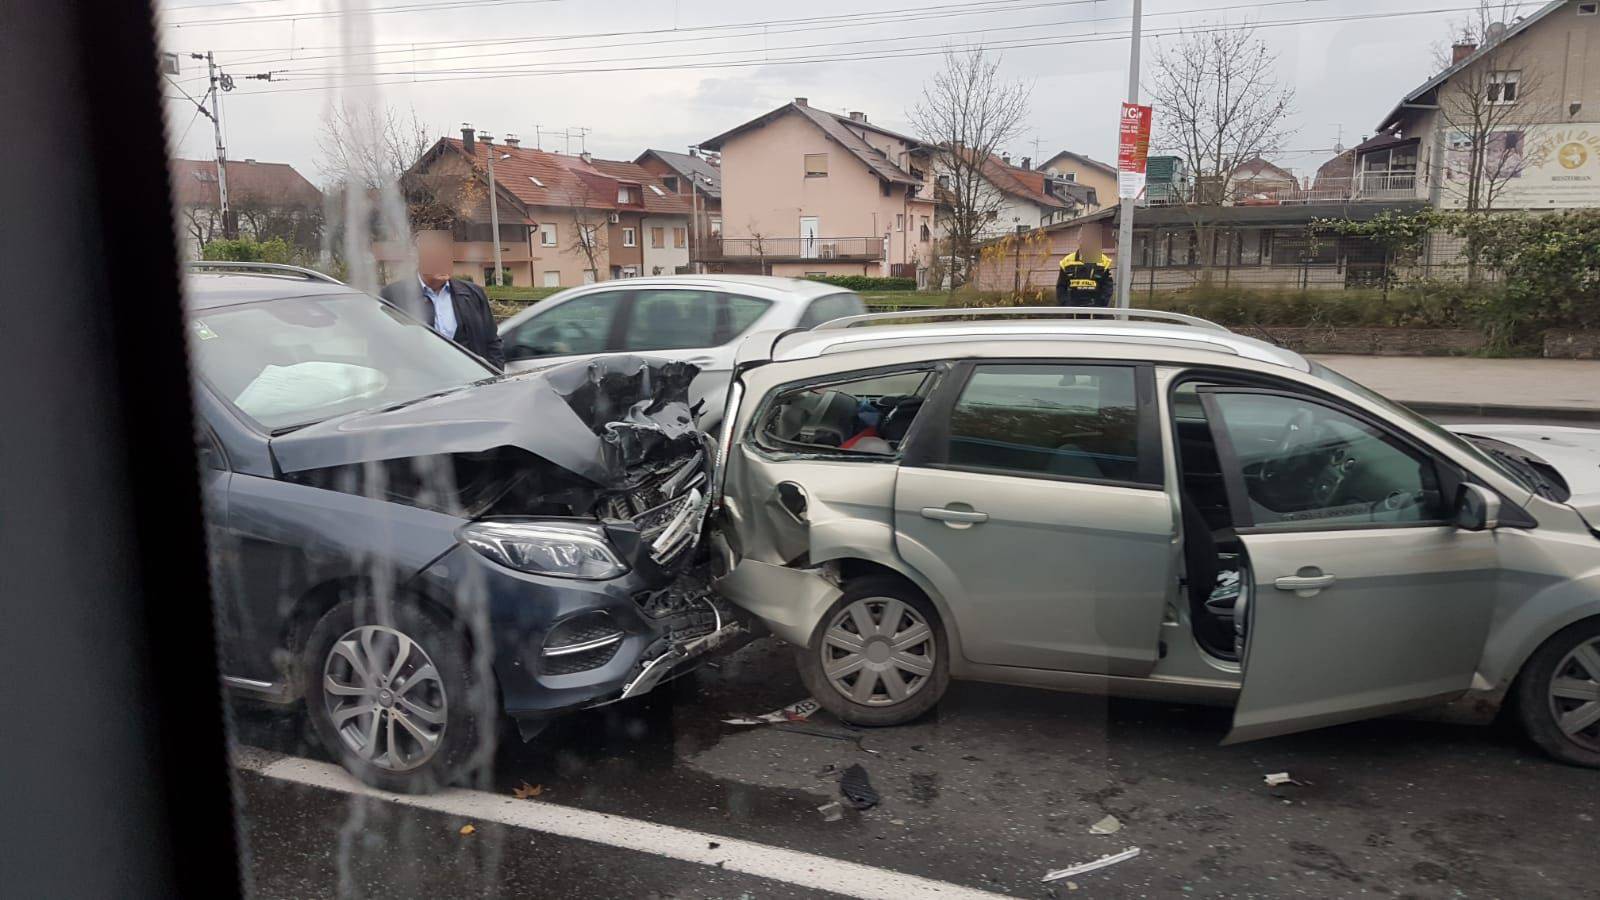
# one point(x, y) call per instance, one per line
point(444, 308)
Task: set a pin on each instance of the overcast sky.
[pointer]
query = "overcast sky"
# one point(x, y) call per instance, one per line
point(449, 60)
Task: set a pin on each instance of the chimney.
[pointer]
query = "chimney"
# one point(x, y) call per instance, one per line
point(858, 117)
point(1461, 50)
point(1005, 158)
point(799, 101)
point(469, 139)
point(512, 140)
point(584, 155)
point(1027, 162)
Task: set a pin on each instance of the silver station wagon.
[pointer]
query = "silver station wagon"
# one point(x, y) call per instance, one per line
point(1145, 504)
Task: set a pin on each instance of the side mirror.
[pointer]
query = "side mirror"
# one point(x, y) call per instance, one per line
point(1477, 508)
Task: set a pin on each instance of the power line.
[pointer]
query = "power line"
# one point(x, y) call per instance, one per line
point(430, 6)
point(851, 56)
point(984, 31)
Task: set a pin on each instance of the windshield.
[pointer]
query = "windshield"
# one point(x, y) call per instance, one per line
point(291, 362)
point(1496, 461)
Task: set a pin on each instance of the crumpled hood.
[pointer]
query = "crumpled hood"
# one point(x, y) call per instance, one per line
point(602, 419)
point(1572, 452)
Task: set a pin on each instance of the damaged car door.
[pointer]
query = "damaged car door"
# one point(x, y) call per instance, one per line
point(1368, 597)
point(1034, 501)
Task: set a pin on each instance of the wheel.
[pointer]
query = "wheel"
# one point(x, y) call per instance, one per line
point(878, 656)
point(1558, 695)
point(393, 703)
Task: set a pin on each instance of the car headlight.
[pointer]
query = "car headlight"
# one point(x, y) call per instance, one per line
point(565, 550)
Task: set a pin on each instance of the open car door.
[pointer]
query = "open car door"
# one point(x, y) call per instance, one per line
point(1365, 599)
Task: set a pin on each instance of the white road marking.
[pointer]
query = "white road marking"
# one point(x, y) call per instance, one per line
point(790, 866)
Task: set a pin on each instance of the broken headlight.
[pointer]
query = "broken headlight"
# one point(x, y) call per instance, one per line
point(565, 549)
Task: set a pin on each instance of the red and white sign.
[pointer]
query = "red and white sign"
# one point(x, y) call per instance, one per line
point(1133, 148)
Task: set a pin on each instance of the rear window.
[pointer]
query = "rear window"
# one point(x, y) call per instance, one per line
point(832, 306)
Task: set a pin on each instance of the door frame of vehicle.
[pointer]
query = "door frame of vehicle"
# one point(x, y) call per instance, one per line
point(1275, 695)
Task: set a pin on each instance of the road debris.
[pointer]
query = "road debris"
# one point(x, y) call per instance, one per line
point(1100, 863)
point(1108, 825)
point(857, 739)
point(468, 828)
point(798, 711)
point(857, 789)
point(1281, 778)
point(832, 811)
point(712, 845)
point(527, 791)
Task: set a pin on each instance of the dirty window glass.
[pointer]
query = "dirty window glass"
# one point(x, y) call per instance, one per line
point(1049, 420)
point(297, 360)
point(672, 320)
point(1303, 463)
point(871, 415)
point(831, 306)
point(582, 325)
point(738, 314)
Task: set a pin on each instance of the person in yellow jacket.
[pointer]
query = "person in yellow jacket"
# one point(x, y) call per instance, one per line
point(1084, 283)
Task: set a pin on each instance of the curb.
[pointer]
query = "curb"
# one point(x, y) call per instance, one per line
point(1506, 410)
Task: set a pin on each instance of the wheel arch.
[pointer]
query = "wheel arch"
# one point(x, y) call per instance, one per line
point(1534, 621)
point(854, 567)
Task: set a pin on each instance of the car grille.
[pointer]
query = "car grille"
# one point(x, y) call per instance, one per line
point(579, 644)
point(668, 510)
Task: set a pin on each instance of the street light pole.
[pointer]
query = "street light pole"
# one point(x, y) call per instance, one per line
point(1124, 275)
point(494, 205)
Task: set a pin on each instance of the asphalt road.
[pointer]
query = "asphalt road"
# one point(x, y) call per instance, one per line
point(997, 787)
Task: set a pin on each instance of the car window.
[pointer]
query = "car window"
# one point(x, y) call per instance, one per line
point(869, 415)
point(1300, 462)
point(672, 320)
point(1060, 421)
point(831, 306)
point(736, 313)
point(293, 361)
point(580, 325)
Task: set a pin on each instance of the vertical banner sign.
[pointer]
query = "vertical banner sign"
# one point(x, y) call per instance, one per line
point(1133, 148)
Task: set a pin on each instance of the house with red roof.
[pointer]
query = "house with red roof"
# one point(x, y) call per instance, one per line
point(564, 219)
point(267, 200)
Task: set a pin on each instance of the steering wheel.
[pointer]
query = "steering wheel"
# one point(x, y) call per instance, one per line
point(1295, 432)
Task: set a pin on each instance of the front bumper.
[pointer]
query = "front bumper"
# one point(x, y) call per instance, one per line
point(665, 629)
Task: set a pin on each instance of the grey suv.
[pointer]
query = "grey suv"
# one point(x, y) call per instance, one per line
point(1150, 505)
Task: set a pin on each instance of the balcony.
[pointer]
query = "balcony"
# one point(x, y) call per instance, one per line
point(845, 249)
point(1367, 187)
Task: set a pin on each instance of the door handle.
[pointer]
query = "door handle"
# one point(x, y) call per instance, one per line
point(945, 514)
point(1306, 582)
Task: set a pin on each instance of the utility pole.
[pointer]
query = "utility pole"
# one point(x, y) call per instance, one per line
point(1124, 275)
point(219, 82)
point(494, 205)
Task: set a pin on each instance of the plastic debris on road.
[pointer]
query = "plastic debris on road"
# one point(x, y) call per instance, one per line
point(1280, 778)
point(1100, 863)
point(798, 711)
point(857, 789)
point(1108, 825)
point(831, 812)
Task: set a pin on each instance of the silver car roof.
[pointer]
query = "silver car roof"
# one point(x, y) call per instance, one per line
point(1152, 335)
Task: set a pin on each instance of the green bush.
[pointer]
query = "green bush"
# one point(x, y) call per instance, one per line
point(1415, 305)
point(866, 282)
point(276, 250)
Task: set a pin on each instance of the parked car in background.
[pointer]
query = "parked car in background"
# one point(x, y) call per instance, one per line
point(694, 318)
point(1150, 506)
point(411, 545)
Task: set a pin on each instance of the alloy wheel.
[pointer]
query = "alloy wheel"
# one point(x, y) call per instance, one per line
point(1575, 695)
point(878, 651)
point(385, 697)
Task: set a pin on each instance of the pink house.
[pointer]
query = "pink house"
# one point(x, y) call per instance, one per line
point(805, 191)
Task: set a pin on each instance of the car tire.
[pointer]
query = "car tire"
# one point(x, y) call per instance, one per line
point(1537, 706)
point(873, 704)
point(432, 691)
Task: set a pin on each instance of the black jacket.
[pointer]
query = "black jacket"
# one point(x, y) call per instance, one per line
point(475, 327)
point(1084, 284)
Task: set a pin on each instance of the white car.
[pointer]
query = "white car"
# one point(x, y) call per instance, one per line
point(695, 318)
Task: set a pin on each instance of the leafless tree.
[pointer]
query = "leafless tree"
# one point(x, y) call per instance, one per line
point(758, 242)
point(967, 112)
point(588, 238)
point(1219, 104)
point(1487, 108)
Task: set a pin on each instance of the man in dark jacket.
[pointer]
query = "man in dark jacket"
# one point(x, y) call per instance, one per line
point(1083, 282)
point(457, 309)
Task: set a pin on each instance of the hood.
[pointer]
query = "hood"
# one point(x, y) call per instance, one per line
point(1574, 453)
point(611, 421)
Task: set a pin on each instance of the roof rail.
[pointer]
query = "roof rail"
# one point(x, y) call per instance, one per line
point(260, 268)
point(1022, 312)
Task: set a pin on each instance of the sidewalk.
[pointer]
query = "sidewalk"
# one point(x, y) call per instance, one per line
point(1557, 388)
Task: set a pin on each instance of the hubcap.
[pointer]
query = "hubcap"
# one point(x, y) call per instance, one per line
point(1575, 695)
point(878, 651)
point(385, 697)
